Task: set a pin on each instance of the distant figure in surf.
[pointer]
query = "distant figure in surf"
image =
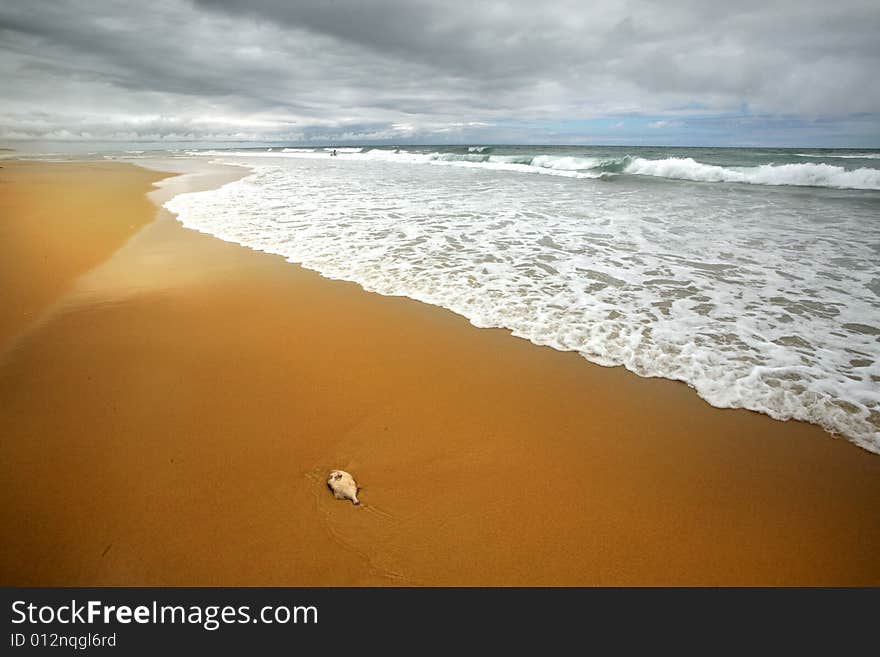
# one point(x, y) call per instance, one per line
point(343, 486)
point(333, 153)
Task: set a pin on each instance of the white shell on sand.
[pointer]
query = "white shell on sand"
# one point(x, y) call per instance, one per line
point(343, 486)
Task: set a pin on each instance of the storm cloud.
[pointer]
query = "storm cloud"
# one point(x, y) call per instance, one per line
point(402, 71)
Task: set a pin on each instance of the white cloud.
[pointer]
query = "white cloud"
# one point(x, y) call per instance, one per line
point(307, 70)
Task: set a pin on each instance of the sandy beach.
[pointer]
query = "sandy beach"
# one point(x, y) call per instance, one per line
point(170, 405)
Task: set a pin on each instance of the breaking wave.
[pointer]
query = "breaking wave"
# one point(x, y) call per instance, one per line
point(808, 174)
point(804, 174)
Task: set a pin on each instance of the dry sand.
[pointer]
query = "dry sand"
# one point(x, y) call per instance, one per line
point(170, 416)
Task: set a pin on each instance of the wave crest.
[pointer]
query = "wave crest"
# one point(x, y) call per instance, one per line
point(807, 174)
point(804, 174)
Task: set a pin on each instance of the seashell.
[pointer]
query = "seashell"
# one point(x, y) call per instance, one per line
point(343, 486)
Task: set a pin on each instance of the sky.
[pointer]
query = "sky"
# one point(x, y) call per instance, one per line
point(671, 72)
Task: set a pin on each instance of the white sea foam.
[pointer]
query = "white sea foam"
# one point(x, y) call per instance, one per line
point(516, 163)
point(297, 150)
point(805, 174)
point(765, 301)
point(565, 163)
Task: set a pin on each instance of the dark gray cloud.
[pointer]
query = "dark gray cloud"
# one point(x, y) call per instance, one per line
point(424, 71)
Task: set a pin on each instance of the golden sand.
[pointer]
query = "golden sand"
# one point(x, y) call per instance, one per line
point(171, 416)
point(57, 223)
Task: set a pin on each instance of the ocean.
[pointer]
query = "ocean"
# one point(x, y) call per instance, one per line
point(752, 275)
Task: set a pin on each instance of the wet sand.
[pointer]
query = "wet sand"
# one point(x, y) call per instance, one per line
point(170, 417)
point(43, 246)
